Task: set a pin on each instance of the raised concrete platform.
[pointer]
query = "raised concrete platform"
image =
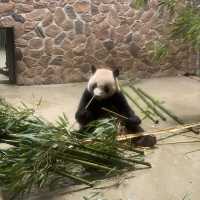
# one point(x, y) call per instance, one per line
point(174, 174)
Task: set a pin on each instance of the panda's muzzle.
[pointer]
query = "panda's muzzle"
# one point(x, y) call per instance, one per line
point(98, 92)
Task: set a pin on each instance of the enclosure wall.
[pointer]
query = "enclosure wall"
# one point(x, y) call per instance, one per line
point(58, 40)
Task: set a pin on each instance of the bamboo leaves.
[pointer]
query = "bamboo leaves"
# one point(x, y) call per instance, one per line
point(137, 4)
point(42, 152)
point(187, 27)
point(159, 51)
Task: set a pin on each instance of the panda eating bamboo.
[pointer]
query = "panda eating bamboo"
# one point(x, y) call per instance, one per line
point(103, 92)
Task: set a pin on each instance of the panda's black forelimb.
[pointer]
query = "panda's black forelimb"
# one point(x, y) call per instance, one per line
point(117, 103)
point(83, 115)
point(122, 106)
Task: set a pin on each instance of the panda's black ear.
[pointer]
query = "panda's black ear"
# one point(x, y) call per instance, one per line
point(115, 72)
point(93, 69)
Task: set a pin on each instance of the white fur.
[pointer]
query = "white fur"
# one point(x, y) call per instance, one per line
point(98, 92)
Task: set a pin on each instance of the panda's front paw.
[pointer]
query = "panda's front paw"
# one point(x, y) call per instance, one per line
point(134, 120)
point(132, 124)
point(84, 116)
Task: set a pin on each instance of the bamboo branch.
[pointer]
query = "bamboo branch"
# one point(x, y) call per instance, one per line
point(88, 104)
point(169, 130)
point(169, 113)
point(179, 142)
point(101, 156)
point(151, 106)
point(87, 163)
point(114, 113)
point(76, 178)
point(136, 135)
point(142, 110)
point(114, 157)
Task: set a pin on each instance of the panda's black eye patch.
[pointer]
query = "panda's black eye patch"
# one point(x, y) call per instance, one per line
point(94, 86)
point(106, 89)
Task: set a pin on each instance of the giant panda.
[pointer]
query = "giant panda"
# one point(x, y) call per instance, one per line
point(103, 91)
point(103, 86)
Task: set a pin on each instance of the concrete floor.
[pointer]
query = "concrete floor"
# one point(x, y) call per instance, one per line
point(174, 174)
point(4, 79)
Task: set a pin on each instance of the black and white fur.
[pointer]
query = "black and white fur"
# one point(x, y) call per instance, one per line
point(103, 86)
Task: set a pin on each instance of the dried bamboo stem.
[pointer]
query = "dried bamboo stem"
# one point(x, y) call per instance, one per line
point(169, 113)
point(169, 130)
point(151, 106)
point(179, 142)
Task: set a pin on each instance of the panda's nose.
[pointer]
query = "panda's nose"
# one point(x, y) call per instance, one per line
point(98, 92)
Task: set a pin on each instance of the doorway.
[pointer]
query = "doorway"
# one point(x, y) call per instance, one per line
point(7, 56)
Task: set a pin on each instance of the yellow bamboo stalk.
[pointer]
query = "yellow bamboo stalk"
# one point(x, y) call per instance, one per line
point(167, 130)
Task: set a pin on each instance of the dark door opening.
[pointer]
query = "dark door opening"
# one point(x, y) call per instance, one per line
point(7, 56)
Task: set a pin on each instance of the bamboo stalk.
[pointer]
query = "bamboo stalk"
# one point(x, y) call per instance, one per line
point(169, 113)
point(114, 157)
point(88, 104)
point(151, 106)
point(131, 148)
point(142, 110)
point(172, 135)
point(179, 142)
point(114, 113)
point(169, 130)
point(136, 135)
point(83, 162)
point(10, 142)
point(99, 155)
point(76, 178)
point(125, 159)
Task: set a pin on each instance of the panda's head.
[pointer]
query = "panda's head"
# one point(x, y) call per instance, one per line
point(103, 82)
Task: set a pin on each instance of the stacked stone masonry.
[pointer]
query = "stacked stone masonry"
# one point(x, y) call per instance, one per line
point(58, 40)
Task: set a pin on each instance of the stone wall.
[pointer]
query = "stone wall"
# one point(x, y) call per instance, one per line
point(58, 40)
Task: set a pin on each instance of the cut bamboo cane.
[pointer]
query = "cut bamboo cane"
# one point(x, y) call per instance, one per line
point(180, 142)
point(151, 106)
point(142, 110)
point(86, 107)
point(172, 135)
point(169, 113)
point(168, 130)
